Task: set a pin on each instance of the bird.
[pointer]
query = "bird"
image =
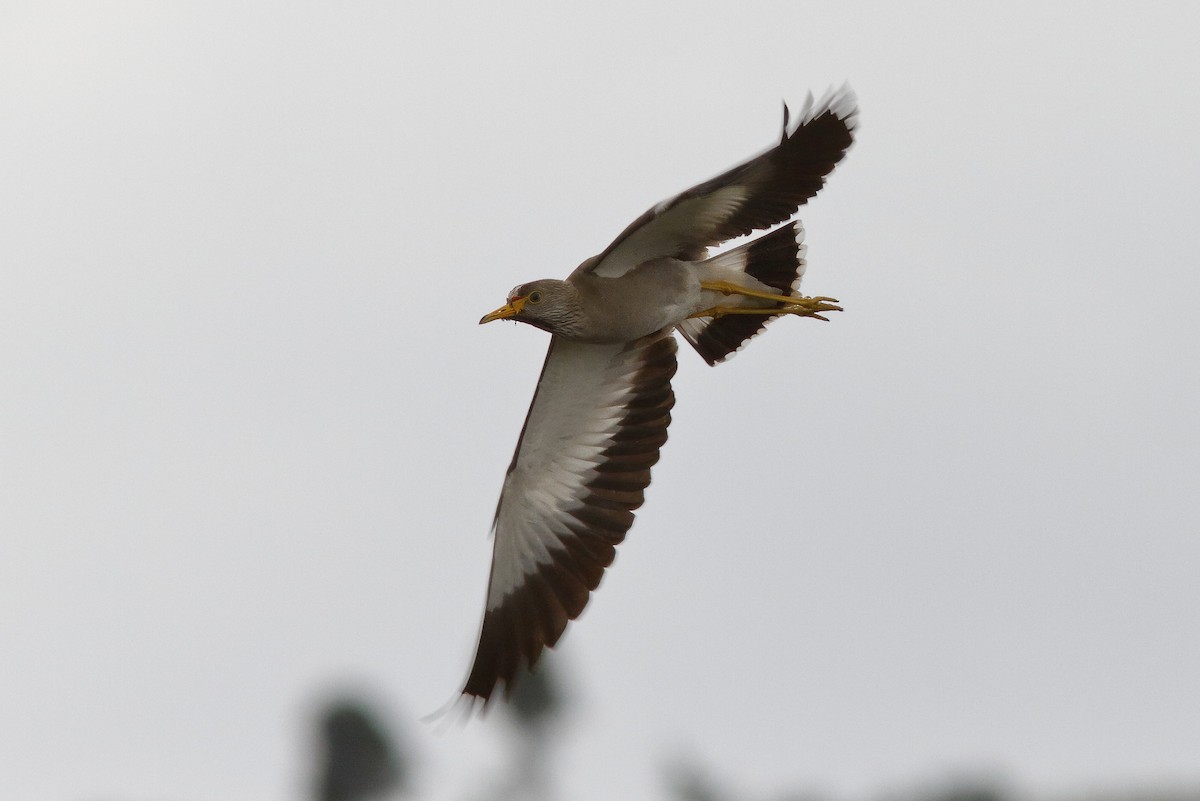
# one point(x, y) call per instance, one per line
point(603, 402)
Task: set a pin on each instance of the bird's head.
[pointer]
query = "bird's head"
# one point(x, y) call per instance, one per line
point(547, 304)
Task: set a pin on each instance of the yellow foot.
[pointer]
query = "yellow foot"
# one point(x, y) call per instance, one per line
point(810, 307)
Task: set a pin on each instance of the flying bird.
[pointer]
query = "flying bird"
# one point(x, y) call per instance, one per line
point(600, 412)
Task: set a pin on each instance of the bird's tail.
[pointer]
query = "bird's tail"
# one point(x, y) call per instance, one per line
point(774, 262)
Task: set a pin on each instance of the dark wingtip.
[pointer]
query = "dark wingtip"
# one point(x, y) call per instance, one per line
point(786, 115)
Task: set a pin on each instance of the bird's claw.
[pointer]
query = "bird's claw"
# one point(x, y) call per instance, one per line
point(810, 307)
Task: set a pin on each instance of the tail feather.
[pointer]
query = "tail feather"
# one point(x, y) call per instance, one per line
point(776, 260)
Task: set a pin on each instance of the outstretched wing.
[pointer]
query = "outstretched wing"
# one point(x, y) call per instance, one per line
point(762, 192)
point(597, 421)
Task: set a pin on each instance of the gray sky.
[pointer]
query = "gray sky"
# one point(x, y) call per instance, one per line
point(252, 436)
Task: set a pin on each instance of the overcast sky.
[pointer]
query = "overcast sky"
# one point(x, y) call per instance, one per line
point(251, 436)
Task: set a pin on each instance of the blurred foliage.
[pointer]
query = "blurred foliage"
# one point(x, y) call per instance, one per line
point(687, 781)
point(537, 700)
point(690, 780)
point(359, 759)
point(536, 706)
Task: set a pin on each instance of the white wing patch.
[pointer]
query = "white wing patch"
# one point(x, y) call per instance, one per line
point(674, 229)
point(577, 409)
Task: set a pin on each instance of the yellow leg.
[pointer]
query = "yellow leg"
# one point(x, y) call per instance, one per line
point(790, 304)
point(800, 310)
point(727, 288)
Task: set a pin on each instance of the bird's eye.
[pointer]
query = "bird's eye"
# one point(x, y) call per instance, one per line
point(535, 296)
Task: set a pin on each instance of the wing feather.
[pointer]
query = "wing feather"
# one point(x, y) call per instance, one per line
point(761, 192)
point(595, 427)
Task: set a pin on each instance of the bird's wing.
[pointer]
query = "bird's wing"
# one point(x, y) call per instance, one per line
point(597, 421)
point(757, 194)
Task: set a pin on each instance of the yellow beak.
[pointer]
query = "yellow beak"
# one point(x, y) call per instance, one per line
point(510, 309)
